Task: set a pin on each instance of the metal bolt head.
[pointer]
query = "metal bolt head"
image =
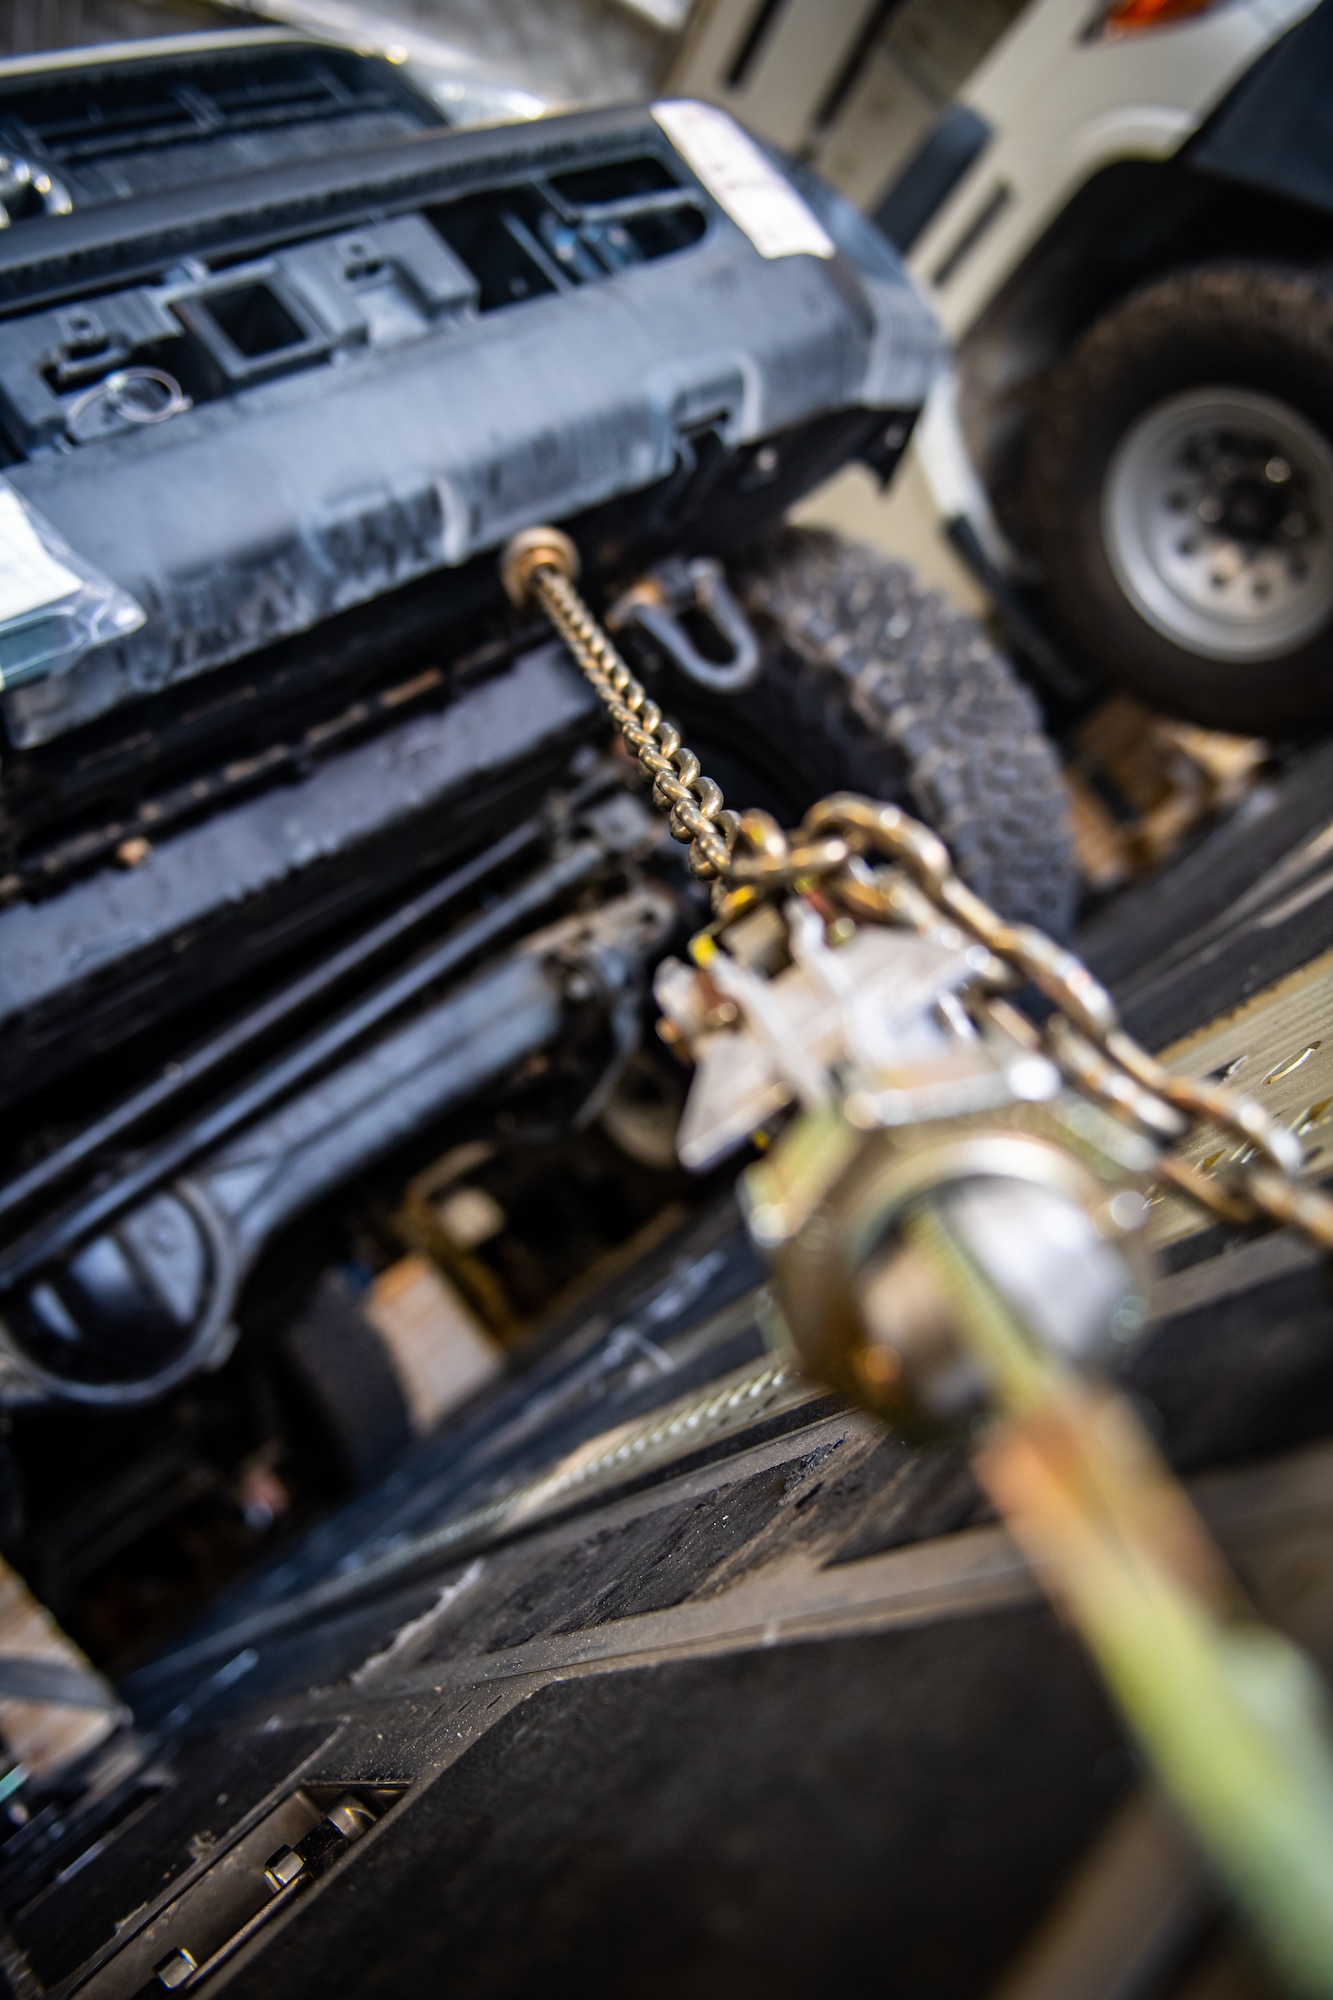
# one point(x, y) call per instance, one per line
point(536, 548)
point(176, 1968)
point(283, 1867)
point(350, 1817)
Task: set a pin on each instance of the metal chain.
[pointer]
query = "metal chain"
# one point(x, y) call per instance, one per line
point(748, 856)
point(542, 564)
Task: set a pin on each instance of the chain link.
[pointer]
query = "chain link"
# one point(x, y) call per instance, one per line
point(748, 856)
point(542, 564)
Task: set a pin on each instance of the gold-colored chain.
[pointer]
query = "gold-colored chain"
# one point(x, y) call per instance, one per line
point(542, 563)
point(748, 856)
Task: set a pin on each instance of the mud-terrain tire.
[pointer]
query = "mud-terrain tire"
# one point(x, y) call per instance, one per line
point(872, 684)
point(1170, 563)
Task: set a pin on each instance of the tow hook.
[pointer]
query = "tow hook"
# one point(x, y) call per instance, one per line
point(686, 609)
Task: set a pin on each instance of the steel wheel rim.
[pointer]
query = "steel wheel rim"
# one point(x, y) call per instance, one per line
point(1217, 519)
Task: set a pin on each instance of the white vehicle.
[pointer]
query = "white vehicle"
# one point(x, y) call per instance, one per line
point(1124, 218)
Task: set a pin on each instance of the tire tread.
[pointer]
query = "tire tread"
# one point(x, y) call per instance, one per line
point(892, 691)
